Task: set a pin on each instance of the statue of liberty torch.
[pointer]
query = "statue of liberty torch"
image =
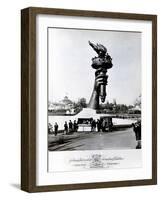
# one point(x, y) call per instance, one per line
point(101, 63)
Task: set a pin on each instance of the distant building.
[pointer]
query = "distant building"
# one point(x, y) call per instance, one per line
point(65, 105)
point(135, 110)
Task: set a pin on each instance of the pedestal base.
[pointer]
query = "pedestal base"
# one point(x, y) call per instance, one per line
point(87, 113)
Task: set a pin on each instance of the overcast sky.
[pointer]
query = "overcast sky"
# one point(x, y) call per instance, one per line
point(69, 64)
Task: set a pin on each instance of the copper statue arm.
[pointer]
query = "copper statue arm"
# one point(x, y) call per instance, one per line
point(94, 100)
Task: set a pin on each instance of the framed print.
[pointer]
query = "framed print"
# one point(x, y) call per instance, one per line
point(88, 99)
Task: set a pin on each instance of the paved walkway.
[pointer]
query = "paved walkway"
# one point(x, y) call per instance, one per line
point(122, 139)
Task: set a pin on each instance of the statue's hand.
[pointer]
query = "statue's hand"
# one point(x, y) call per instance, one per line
point(100, 79)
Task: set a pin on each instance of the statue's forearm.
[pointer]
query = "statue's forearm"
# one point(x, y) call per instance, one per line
point(94, 100)
point(101, 64)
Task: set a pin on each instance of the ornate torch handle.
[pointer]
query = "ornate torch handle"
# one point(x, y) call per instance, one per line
point(103, 87)
point(102, 90)
point(103, 93)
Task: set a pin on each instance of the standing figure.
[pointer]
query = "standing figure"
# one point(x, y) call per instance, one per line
point(137, 130)
point(75, 126)
point(50, 128)
point(55, 128)
point(98, 125)
point(65, 128)
point(70, 126)
point(103, 125)
point(93, 126)
point(110, 125)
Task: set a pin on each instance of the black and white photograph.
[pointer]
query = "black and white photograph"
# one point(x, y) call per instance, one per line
point(90, 115)
point(94, 90)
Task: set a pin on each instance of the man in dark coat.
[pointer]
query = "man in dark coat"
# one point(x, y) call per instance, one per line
point(75, 125)
point(55, 128)
point(93, 125)
point(65, 128)
point(137, 130)
point(70, 126)
point(98, 125)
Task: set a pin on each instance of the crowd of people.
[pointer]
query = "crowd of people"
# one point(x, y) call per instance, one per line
point(101, 125)
point(70, 127)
